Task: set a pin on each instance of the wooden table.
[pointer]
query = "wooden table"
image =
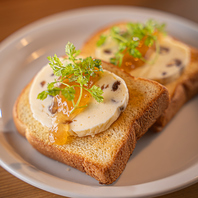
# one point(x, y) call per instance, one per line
point(15, 14)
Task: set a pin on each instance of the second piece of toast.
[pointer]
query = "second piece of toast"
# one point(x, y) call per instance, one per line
point(181, 90)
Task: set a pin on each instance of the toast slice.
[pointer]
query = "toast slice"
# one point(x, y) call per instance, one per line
point(105, 155)
point(181, 90)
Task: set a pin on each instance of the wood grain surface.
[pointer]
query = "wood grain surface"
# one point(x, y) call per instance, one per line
point(15, 14)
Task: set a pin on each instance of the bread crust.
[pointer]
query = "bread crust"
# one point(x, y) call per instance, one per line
point(20, 126)
point(105, 175)
point(184, 91)
point(108, 173)
point(181, 90)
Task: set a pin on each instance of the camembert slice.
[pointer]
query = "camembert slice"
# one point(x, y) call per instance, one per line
point(171, 61)
point(96, 117)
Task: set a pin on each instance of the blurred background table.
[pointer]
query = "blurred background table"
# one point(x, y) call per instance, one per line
point(15, 14)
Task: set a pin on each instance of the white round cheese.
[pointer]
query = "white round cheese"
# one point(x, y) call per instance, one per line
point(96, 117)
point(174, 56)
point(172, 59)
point(107, 51)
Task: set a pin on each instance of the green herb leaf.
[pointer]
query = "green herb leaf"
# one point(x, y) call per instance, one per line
point(50, 85)
point(129, 40)
point(53, 92)
point(101, 41)
point(42, 95)
point(75, 70)
point(69, 93)
point(71, 51)
point(96, 92)
point(56, 65)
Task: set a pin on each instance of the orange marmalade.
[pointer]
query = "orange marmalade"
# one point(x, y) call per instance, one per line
point(130, 63)
point(63, 111)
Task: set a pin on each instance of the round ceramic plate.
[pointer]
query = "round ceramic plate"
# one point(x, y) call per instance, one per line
point(161, 163)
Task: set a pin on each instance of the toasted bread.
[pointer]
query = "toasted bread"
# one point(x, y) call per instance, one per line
point(105, 155)
point(181, 90)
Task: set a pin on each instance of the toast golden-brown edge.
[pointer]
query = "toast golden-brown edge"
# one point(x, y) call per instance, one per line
point(105, 175)
point(183, 90)
point(20, 126)
point(108, 174)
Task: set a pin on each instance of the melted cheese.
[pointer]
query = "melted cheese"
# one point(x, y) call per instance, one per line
point(96, 117)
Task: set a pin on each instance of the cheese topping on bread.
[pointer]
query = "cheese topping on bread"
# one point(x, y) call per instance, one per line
point(171, 60)
point(96, 117)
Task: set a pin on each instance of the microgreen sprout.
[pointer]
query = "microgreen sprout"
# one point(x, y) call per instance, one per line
point(76, 70)
point(129, 40)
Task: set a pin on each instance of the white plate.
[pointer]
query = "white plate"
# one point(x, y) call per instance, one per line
point(161, 163)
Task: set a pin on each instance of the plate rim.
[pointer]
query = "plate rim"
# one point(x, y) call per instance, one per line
point(37, 24)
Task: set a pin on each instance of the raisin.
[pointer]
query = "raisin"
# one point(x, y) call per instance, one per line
point(115, 85)
point(53, 108)
point(67, 122)
point(43, 83)
point(178, 62)
point(164, 50)
point(113, 100)
point(122, 108)
point(175, 62)
point(107, 51)
point(104, 87)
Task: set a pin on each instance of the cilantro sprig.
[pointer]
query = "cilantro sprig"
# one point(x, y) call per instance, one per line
point(75, 70)
point(129, 40)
